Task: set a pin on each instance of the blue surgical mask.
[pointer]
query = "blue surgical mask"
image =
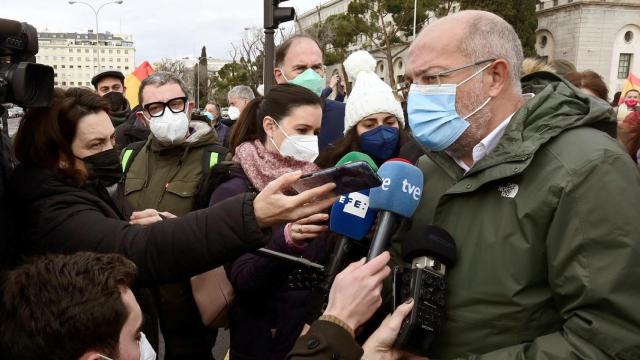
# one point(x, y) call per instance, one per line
point(208, 115)
point(433, 117)
point(308, 79)
point(381, 142)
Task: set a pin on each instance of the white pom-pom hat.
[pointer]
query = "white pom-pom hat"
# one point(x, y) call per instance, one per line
point(369, 95)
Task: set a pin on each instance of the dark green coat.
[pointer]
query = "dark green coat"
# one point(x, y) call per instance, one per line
point(547, 228)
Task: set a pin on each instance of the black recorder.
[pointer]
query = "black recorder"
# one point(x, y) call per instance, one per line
point(430, 251)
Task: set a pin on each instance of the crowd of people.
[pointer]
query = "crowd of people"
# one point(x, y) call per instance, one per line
point(127, 231)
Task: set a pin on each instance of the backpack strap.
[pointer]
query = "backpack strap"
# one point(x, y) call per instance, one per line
point(129, 153)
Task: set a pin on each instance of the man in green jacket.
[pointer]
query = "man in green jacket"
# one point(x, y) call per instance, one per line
point(164, 174)
point(543, 207)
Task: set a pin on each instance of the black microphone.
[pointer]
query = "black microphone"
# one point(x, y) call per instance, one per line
point(430, 250)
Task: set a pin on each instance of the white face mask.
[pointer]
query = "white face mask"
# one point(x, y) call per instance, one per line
point(146, 350)
point(170, 128)
point(300, 147)
point(233, 113)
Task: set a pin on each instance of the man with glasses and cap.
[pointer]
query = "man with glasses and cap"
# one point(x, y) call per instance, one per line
point(163, 173)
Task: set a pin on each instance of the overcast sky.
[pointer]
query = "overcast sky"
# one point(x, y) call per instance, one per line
point(160, 28)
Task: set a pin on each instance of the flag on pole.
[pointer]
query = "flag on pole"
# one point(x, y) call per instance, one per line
point(633, 82)
point(133, 81)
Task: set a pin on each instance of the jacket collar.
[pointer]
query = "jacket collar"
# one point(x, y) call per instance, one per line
point(557, 107)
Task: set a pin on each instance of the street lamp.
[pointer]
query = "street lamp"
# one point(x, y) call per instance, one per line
point(97, 31)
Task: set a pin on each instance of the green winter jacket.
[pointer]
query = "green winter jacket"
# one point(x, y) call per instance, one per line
point(166, 178)
point(547, 228)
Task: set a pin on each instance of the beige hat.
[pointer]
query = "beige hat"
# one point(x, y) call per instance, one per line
point(369, 95)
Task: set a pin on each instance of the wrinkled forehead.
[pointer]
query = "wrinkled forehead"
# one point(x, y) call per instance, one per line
point(437, 48)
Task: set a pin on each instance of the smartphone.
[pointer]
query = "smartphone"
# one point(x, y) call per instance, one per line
point(348, 178)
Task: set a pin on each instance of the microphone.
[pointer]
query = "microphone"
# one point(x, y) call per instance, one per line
point(350, 217)
point(397, 197)
point(430, 250)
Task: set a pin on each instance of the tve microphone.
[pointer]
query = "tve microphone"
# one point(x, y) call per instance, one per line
point(430, 250)
point(398, 196)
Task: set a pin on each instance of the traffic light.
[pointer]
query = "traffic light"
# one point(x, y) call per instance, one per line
point(274, 15)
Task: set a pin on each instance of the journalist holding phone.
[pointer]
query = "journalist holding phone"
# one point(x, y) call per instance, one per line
point(275, 135)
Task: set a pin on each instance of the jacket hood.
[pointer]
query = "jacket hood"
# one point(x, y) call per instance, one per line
point(556, 107)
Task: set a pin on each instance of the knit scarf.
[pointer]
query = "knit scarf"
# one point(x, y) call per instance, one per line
point(262, 166)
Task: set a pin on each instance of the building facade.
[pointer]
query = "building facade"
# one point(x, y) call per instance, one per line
point(77, 57)
point(603, 36)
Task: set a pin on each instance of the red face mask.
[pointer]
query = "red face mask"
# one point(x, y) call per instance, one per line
point(631, 102)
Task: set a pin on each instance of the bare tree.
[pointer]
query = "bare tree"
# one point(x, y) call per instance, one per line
point(173, 66)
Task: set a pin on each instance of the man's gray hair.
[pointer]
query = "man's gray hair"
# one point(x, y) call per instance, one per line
point(488, 36)
point(242, 92)
point(160, 78)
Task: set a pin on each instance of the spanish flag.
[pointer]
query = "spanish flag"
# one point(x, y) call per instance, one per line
point(633, 82)
point(133, 81)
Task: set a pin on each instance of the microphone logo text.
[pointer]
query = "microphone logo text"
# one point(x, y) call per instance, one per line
point(407, 187)
point(355, 204)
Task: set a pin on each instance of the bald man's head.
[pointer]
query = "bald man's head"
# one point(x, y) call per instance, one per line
point(475, 35)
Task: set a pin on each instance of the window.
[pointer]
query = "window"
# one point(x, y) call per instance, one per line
point(126, 68)
point(555, 2)
point(86, 51)
point(623, 66)
point(543, 41)
point(55, 83)
point(117, 51)
point(118, 60)
point(110, 51)
point(78, 50)
point(70, 66)
point(70, 50)
point(71, 83)
point(64, 83)
point(102, 51)
point(62, 66)
point(87, 59)
point(110, 59)
point(126, 52)
point(87, 83)
point(55, 66)
point(628, 37)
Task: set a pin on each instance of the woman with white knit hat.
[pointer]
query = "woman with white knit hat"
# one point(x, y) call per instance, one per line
point(374, 120)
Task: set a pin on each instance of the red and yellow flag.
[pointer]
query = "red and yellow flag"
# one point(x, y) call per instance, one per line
point(633, 82)
point(133, 81)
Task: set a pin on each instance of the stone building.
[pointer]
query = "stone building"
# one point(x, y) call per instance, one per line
point(603, 36)
point(75, 56)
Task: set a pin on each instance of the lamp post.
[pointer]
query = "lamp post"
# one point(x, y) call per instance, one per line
point(415, 13)
point(97, 31)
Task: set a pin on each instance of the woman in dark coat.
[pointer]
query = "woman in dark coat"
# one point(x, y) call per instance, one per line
point(274, 135)
point(64, 199)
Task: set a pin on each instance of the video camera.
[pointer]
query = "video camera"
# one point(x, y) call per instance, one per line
point(22, 81)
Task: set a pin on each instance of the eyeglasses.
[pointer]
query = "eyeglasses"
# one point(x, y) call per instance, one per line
point(175, 105)
point(437, 78)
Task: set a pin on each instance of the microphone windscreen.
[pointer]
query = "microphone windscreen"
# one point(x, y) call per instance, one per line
point(351, 215)
point(401, 188)
point(429, 240)
point(355, 156)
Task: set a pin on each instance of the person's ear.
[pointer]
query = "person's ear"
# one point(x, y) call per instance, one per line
point(269, 126)
point(498, 77)
point(279, 75)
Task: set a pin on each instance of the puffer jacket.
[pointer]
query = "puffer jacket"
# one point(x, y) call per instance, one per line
point(547, 228)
